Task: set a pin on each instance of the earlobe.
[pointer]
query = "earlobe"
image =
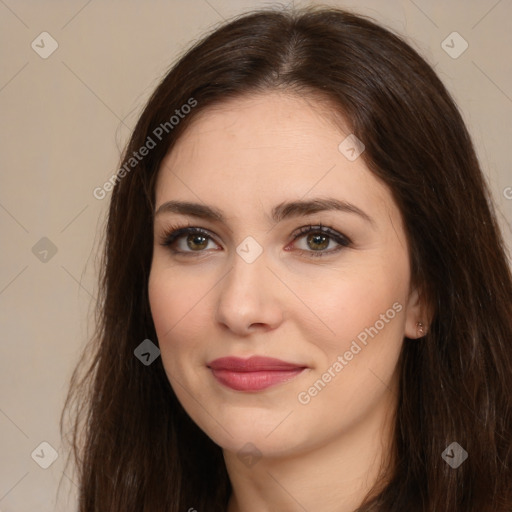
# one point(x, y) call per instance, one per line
point(417, 321)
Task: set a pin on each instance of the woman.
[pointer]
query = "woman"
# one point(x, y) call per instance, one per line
point(301, 226)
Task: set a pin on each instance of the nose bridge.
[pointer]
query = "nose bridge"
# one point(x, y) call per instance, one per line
point(248, 275)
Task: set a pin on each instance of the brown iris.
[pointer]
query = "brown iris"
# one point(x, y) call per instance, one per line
point(318, 240)
point(197, 242)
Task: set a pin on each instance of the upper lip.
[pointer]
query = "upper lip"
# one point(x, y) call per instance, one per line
point(252, 364)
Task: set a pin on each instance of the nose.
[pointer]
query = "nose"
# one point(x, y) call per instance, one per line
point(248, 298)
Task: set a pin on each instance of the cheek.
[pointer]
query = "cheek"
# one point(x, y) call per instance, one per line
point(175, 295)
point(176, 310)
point(356, 300)
point(357, 364)
point(164, 302)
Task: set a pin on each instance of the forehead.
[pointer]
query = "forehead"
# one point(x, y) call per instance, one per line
point(259, 150)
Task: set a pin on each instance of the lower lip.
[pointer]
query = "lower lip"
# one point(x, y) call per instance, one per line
point(254, 381)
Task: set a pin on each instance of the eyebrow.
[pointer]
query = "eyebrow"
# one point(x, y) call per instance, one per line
point(280, 212)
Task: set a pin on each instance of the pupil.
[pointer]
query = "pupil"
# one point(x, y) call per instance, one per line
point(193, 241)
point(318, 239)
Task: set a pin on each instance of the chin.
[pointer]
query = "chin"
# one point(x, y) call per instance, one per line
point(245, 430)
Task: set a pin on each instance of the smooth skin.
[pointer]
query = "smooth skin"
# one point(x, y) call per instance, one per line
point(243, 158)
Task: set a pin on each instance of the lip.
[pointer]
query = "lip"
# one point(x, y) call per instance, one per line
point(253, 374)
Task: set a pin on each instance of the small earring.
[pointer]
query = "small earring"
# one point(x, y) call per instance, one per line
point(420, 328)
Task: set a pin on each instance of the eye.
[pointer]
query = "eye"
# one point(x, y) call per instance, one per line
point(194, 241)
point(187, 240)
point(318, 238)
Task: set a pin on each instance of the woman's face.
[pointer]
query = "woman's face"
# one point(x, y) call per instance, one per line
point(334, 303)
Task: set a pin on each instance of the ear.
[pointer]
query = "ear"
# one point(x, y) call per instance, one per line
point(417, 316)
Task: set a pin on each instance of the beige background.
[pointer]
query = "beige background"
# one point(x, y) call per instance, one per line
point(65, 119)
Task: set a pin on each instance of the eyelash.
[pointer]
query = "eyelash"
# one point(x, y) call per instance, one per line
point(174, 233)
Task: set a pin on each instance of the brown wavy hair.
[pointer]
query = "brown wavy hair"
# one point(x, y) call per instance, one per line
point(134, 446)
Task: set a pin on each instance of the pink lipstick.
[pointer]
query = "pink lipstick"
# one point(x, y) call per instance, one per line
point(253, 374)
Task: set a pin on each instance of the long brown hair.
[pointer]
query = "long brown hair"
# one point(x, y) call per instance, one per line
point(135, 447)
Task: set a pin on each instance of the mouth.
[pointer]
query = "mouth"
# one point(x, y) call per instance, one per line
point(253, 374)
